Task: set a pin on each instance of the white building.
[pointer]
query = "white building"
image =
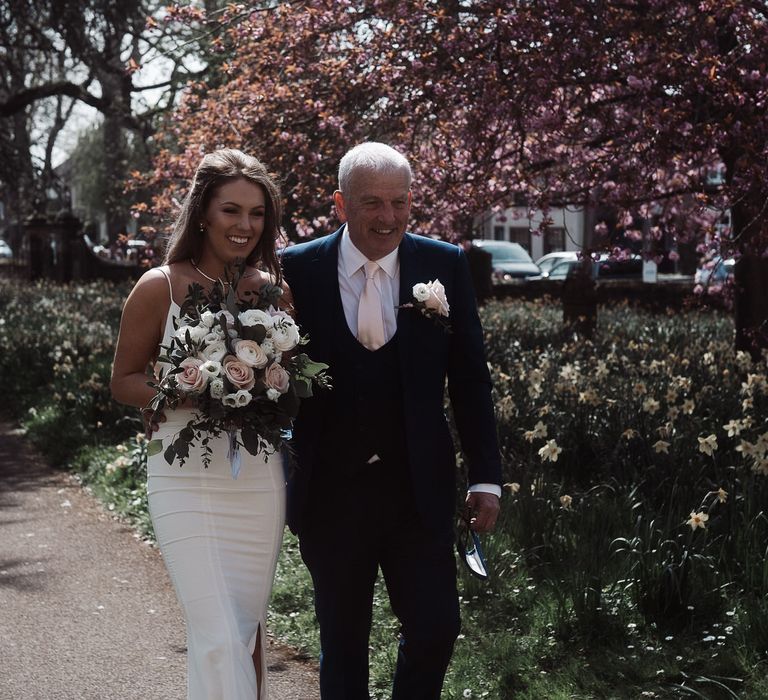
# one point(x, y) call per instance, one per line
point(566, 231)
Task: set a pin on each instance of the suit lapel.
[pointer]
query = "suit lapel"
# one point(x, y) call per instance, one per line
point(408, 277)
point(326, 278)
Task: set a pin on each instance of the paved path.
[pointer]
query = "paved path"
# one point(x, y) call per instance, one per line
point(87, 611)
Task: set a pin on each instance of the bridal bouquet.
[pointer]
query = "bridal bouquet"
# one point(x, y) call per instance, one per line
point(237, 360)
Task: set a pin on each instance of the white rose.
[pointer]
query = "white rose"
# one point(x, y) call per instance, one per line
point(196, 333)
point(285, 335)
point(214, 351)
point(437, 300)
point(230, 319)
point(273, 394)
point(420, 292)
point(249, 352)
point(255, 317)
point(268, 347)
point(208, 319)
point(238, 399)
point(213, 336)
point(216, 387)
point(211, 369)
point(278, 313)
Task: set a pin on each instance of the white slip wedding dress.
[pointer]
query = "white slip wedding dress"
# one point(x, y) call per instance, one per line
point(220, 538)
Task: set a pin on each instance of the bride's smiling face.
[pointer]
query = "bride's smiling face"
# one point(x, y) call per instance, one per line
point(234, 220)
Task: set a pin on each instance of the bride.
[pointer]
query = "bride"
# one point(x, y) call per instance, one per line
point(219, 537)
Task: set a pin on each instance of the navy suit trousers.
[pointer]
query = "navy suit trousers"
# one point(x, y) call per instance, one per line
point(375, 525)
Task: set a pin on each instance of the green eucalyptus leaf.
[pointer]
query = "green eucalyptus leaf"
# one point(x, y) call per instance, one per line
point(181, 446)
point(170, 453)
point(154, 447)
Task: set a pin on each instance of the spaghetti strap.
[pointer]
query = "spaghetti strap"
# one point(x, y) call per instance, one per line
point(168, 278)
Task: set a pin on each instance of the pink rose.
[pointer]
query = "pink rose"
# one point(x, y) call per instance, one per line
point(239, 374)
point(277, 378)
point(191, 379)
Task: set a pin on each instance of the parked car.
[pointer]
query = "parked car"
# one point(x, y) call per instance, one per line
point(548, 261)
point(603, 267)
point(715, 271)
point(511, 263)
point(5, 250)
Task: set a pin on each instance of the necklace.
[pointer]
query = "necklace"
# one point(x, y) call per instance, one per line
point(211, 279)
point(208, 277)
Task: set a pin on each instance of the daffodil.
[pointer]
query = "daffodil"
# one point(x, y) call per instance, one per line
point(550, 451)
point(708, 444)
point(565, 502)
point(748, 449)
point(698, 520)
point(539, 431)
point(722, 495)
point(651, 405)
point(661, 446)
point(673, 412)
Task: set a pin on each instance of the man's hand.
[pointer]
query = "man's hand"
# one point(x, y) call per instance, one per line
point(483, 509)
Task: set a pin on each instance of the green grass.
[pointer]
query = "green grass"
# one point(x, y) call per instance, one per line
point(599, 588)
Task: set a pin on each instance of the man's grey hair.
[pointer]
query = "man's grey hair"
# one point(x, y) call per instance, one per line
point(374, 157)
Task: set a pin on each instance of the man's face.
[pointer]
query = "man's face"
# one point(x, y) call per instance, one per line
point(376, 210)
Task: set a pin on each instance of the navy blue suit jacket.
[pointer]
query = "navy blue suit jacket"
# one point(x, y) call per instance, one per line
point(429, 356)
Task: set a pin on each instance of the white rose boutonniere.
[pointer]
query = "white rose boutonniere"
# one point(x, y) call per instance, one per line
point(436, 300)
point(430, 299)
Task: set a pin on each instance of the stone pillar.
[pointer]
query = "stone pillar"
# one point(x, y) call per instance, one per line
point(580, 300)
point(49, 246)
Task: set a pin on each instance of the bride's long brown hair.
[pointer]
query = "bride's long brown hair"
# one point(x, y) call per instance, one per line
point(215, 169)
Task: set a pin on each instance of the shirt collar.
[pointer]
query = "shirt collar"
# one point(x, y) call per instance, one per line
point(352, 259)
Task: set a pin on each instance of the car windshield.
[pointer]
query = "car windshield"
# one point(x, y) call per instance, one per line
point(561, 269)
point(506, 253)
point(548, 264)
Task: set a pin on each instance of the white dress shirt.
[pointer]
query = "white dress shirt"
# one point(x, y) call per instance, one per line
point(351, 283)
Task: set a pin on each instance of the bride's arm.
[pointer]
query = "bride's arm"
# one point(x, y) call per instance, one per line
point(141, 327)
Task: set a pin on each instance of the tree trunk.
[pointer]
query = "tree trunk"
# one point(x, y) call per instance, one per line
point(751, 283)
point(115, 175)
point(751, 305)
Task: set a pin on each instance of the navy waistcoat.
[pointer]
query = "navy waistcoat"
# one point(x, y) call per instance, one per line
point(365, 407)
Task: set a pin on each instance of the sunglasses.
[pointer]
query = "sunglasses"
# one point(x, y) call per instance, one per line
point(470, 551)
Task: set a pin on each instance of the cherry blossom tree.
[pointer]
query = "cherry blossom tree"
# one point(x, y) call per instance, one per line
point(652, 109)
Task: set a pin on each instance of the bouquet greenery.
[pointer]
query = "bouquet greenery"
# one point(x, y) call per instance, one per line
point(236, 357)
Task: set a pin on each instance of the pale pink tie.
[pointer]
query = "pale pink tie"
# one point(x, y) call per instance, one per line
point(370, 319)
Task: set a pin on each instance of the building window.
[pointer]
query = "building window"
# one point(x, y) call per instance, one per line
point(498, 233)
point(554, 240)
point(521, 235)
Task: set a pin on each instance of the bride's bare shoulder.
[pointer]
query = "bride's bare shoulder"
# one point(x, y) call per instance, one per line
point(151, 285)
